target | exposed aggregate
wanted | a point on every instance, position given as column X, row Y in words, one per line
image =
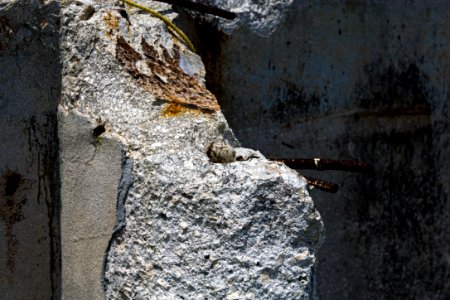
column 190, row 228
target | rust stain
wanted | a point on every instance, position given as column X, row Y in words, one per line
column 174, row 109
column 167, row 81
column 128, row 57
column 11, row 204
column 111, row 21
column 417, row 110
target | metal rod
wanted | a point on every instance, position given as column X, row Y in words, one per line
column 325, row 164
column 203, row 8
column 322, row 185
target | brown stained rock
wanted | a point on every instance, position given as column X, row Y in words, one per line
column 167, row 81
column 127, row 57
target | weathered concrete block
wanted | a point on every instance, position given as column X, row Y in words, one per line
column 187, row 227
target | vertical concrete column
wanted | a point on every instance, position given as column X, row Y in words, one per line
column 30, row 80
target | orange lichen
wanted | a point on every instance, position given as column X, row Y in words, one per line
column 111, row 21
column 174, row 109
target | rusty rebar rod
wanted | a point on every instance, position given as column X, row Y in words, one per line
column 321, row 164
column 322, row 185
column 203, row 8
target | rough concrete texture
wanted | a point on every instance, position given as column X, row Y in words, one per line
column 187, row 227
column 90, row 168
column 365, row 80
column 30, row 82
column 260, row 17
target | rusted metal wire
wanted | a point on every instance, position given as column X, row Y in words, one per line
column 321, row 164
column 322, row 185
column 203, row 8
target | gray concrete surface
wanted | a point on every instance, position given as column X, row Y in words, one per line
column 365, row 80
column 30, row 85
column 90, row 173
column 187, row 227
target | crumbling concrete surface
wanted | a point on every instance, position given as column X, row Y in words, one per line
column 188, row 226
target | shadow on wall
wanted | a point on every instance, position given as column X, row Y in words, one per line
column 29, row 202
column 395, row 219
column 365, row 82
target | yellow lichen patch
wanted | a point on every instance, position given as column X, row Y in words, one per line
column 174, row 109
column 111, row 21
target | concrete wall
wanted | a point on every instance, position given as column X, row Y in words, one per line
column 365, row 80
column 187, row 225
column 30, row 84
column 58, row 182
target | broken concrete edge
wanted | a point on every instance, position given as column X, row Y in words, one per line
column 71, row 125
column 239, row 154
column 125, row 184
column 166, row 154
